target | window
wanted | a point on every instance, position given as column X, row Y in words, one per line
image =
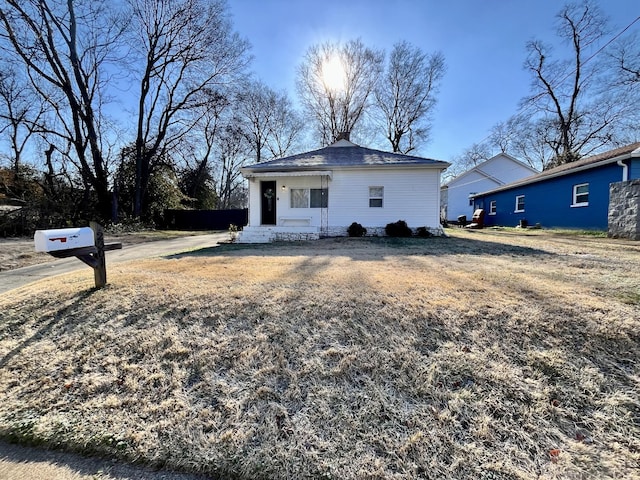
column 471, row 198
column 519, row 203
column 376, row 195
column 492, row 207
column 299, row 198
column 319, row 198
column 309, row 197
column 580, row 195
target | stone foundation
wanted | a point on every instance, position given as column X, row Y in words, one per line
column 624, row 210
column 277, row 233
column 267, row 234
column 295, row 236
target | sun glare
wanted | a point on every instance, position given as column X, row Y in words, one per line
column 333, row 74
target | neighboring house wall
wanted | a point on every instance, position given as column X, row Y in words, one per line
column 498, row 170
column 458, row 193
column 550, row 202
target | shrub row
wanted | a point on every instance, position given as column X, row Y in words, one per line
column 395, row 229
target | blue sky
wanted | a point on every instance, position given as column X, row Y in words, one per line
column 483, row 42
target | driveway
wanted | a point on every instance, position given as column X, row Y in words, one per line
column 11, row 279
column 27, row 463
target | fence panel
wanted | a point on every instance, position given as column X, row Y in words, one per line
column 205, row 219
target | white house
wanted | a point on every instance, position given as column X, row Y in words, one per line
column 495, row 172
column 322, row 192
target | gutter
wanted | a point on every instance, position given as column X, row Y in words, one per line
column 625, row 170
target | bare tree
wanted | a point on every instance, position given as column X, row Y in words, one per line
column 65, row 47
column 21, row 110
column 233, row 152
column 286, row 128
column 523, row 138
column 335, row 83
column 625, row 56
column 198, row 149
column 574, row 116
column 267, row 119
column 406, row 95
column 186, row 46
column 255, row 107
column 472, row 156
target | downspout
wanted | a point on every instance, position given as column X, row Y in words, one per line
column 625, row 170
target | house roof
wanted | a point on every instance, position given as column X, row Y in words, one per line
column 610, row 156
column 478, row 169
column 342, row 154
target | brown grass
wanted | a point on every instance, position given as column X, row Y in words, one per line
column 488, row 355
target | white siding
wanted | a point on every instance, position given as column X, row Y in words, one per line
column 459, row 192
column 506, row 169
column 410, row 194
column 254, row 202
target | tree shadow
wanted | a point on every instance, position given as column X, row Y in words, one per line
column 46, row 327
column 368, row 248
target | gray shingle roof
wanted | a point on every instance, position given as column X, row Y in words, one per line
column 567, row 168
column 342, row 154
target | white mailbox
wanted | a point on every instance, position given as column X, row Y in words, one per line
column 63, row 239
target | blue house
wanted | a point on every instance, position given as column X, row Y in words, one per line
column 573, row 195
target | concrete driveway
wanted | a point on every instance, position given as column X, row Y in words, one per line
column 27, row 463
column 11, row 279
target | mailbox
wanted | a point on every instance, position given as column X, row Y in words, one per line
column 63, row 239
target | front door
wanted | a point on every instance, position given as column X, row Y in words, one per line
column 268, row 195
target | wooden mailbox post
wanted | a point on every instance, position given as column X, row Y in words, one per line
column 86, row 244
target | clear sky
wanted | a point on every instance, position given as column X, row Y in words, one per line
column 483, row 42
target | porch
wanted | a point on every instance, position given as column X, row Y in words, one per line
column 276, row 233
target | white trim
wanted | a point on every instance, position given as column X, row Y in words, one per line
column 297, row 173
column 516, row 207
column 574, row 203
column 381, row 197
column 308, row 190
column 493, row 203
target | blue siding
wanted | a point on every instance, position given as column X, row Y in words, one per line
column 549, row 202
column 634, row 168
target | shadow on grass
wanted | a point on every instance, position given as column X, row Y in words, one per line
column 46, row 327
column 367, row 247
column 39, row 463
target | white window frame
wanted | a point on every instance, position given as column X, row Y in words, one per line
column 518, row 197
column 492, row 207
column 376, row 197
column 291, row 194
column 307, row 196
column 575, row 202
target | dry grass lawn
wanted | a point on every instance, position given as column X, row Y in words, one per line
column 487, row 355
